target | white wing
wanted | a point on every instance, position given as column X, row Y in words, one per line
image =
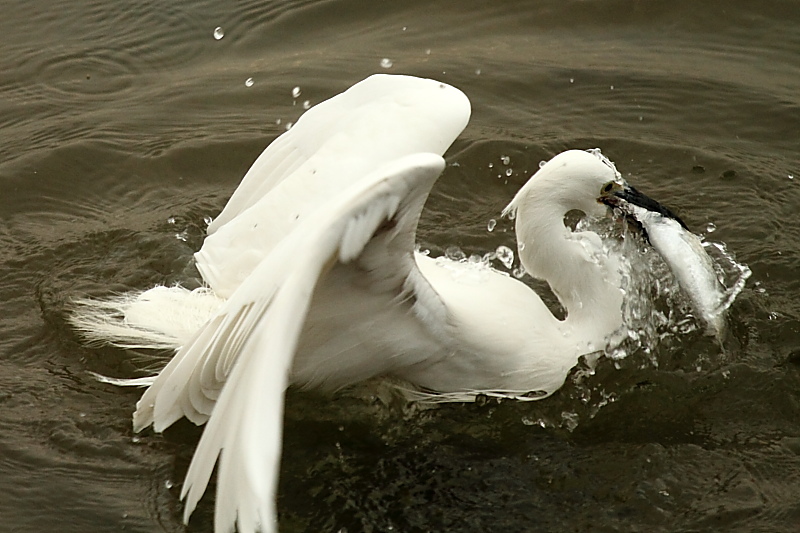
column 331, row 146
column 248, row 346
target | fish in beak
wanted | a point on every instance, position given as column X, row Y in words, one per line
column 681, row 250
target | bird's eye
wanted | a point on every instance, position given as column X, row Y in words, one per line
column 607, row 187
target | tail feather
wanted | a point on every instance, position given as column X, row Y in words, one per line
column 161, row 318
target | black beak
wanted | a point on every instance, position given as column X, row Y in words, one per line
column 620, row 196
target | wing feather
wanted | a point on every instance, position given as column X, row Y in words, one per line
column 235, row 370
column 331, row 147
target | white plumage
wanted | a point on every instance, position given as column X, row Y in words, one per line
column 313, row 281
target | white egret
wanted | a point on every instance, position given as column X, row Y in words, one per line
column 312, row 280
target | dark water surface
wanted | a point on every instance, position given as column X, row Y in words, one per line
column 125, row 124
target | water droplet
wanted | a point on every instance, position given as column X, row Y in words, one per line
column 509, row 172
column 492, row 223
column 207, row 219
column 306, row 104
column 791, row 177
column 289, row 125
column 542, row 163
column 136, row 439
column 182, row 236
column 572, row 80
column 478, row 71
column 386, row 62
column 427, row 51
column 491, row 165
column 711, row 227
column 569, row 420
column 248, row 82
column 612, row 87
column 169, row 484
column 218, row 33
column 505, row 159
column 296, row 92
column 454, row 253
column 505, row 255
column 171, row 220
column 278, row 121
column 528, row 421
column 519, row 272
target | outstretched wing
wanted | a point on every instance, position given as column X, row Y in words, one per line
column 333, row 145
column 234, row 372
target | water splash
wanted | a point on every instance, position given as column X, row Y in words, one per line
column 606, row 161
column 505, row 255
column 731, row 274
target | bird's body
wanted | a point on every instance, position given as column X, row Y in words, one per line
column 313, row 281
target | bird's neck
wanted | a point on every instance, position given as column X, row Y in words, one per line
column 583, row 274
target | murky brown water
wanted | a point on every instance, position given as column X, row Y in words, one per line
column 124, row 124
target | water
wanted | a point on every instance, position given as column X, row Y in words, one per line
column 117, row 117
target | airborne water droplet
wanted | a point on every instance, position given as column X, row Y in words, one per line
column 386, row 62
column 306, row 104
column 509, row 172
column 505, row 255
column 218, row 33
column 492, row 223
column 542, row 163
column 505, row 159
column 711, row 227
column 248, row 82
column 296, row 92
